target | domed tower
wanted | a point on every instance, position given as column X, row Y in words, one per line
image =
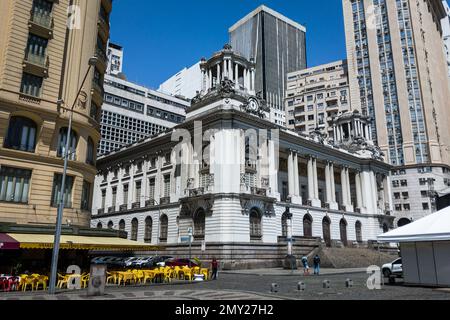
column 227, row 65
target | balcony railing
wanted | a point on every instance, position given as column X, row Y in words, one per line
column 258, row 191
column 42, row 19
column 123, row 207
column 165, row 200
column 196, row 192
column 37, row 59
column 136, row 205
column 111, row 209
column 101, row 211
column 150, row 203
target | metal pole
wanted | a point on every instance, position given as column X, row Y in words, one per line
column 59, row 217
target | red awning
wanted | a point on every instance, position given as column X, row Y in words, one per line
column 8, row 243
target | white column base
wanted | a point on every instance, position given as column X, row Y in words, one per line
column 296, row 200
column 349, row 208
column 333, row 206
column 316, row 203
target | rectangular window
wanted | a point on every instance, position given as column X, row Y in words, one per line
column 138, row 191
column 36, row 50
column 103, row 198
column 125, row 194
column 114, row 197
column 166, row 186
column 31, row 85
column 86, row 196
column 56, row 195
column 14, row 184
column 426, row 206
column 152, row 189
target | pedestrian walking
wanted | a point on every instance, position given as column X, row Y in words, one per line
column 305, row 265
column 317, row 265
column 214, row 267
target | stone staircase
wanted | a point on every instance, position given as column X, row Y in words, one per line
column 342, row 258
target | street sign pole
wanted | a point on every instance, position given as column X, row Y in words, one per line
column 190, row 245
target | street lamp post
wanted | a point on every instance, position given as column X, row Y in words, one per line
column 56, row 244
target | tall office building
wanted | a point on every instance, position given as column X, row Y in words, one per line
column 315, row 96
column 398, row 77
column 185, row 83
column 445, row 23
column 278, row 46
column 131, row 113
column 115, row 59
column 45, row 57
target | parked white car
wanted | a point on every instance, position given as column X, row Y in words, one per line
column 393, row 270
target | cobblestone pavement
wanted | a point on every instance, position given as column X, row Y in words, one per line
column 253, row 287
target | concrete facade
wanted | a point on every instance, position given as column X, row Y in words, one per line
column 131, row 113
column 398, row 77
column 317, row 95
column 277, row 45
column 185, row 83
column 43, row 65
column 235, row 178
column 115, row 59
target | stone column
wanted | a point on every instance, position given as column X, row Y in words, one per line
column 333, row 186
column 328, row 183
column 210, row 79
column 230, row 70
column 374, row 184
column 316, row 180
column 236, row 76
column 344, row 187
column 273, row 170
column 218, row 74
column 296, row 176
column 388, row 193
column 311, row 193
column 359, row 199
column 291, row 175
column 349, row 207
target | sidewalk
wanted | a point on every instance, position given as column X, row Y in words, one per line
column 299, row 272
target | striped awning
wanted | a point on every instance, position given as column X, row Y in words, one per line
column 67, row 242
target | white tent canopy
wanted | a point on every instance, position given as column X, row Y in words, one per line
column 435, row 227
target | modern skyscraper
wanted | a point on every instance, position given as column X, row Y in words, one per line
column 445, row 23
column 45, row 57
column 315, row 96
column 398, row 77
column 115, row 59
column 278, row 46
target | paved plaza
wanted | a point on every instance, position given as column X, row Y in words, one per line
column 253, row 285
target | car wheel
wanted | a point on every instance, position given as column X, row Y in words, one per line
column 387, row 273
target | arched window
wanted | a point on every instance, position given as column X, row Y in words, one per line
column 326, row 226
column 148, row 230
column 122, row 225
column 284, row 225
column 110, row 225
column 343, row 228
column 164, row 228
column 307, row 226
column 403, row 222
column 62, row 141
column 90, row 154
column 134, row 229
column 199, row 224
column 255, row 225
column 21, row 134
column 358, row 228
column 99, row 225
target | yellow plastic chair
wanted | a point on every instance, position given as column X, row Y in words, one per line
column 62, row 281
column 149, row 275
column 139, row 276
column 111, row 277
column 41, row 280
column 188, row 274
column 29, row 281
column 85, row 280
column 205, row 272
column 168, row 275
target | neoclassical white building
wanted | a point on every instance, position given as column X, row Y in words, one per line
column 242, row 184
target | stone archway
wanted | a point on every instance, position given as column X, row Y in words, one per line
column 307, row 226
column 403, row 222
column 343, row 228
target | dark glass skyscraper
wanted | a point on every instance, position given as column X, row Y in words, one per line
column 278, row 46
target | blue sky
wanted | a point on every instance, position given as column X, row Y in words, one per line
column 162, row 37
